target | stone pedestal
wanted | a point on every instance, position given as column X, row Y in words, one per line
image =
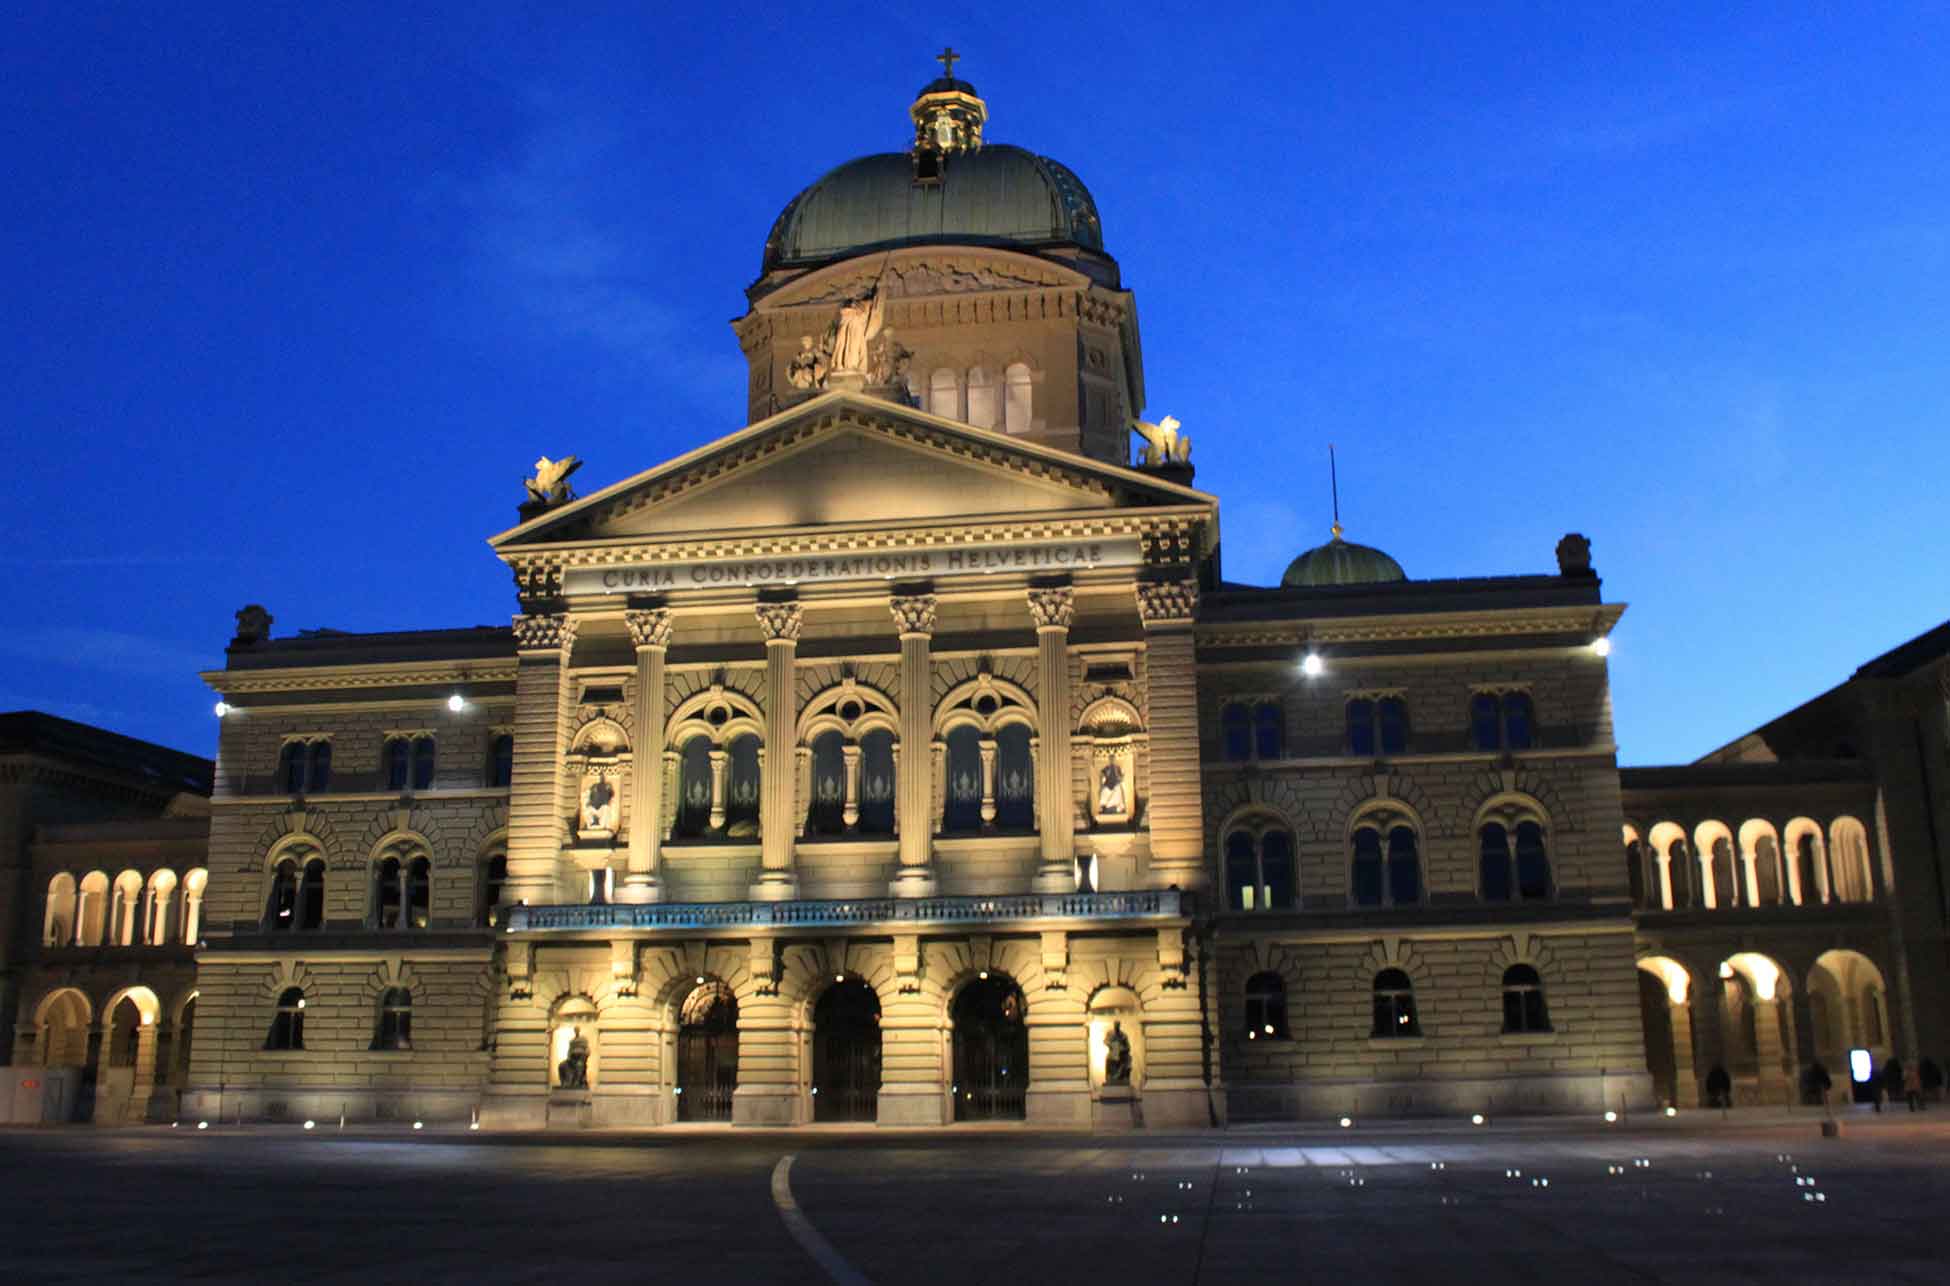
column 911, row 1105
column 1116, row 1108
column 571, row 1109
column 767, row 1105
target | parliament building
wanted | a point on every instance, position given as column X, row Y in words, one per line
column 906, row 756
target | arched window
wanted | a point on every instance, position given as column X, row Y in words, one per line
column 493, row 874
column 984, row 410
column 91, row 906
column 963, row 809
column 125, row 919
column 1502, row 721
column 58, row 925
column 827, row 816
column 1494, row 866
column 1727, row 891
column 386, row 894
column 1680, row 868
column 1767, row 872
column 1638, row 881
column 1523, row 1000
column 1807, row 859
column 693, row 818
column 741, row 787
column 1259, row 868
column 1269, row 731
column 877, row 783
column 281, row 908
column 419, row 893
column 1015, row 779
column 159, row 922
column 193, row 886
column 311, row 895
column 1235, row 726
column 410, row 763
column 394, row 1029
column 1266, row 1007
column 944, row 394
column 1849, row 858
column 1367, row 877
column 305, row 766
column 1527, row 877
column 1404, row 868
column 1387, row 866
column 288, row 1024
column 501, row 761
column 1016, row 398
column 1394, row 1006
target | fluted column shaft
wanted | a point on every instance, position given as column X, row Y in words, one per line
column 913, row 774
column 780, row 624
column 1055, row 809
column 651, row 630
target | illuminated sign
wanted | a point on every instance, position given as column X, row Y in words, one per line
column 943, row 560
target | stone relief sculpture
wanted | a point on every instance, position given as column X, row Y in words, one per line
column 1164, row 444
column 550, row 485
column 1117, row 1056
column 599, row 806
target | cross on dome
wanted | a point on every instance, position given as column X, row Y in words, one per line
column 947, row 58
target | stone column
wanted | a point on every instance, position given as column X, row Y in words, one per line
column 780, row 624
column 542, row 717
column 914, row 772
column 651, row 631
column 1663, row 862
column 1686, row 1078
column 1770, row 1055
column 1167, row 609
column 1055, row 784
column 850, row 807
column 1805, row 1053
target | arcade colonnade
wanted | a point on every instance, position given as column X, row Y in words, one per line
column 128, row 1050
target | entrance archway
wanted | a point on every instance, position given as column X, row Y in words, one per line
column 1656, row 1013
column 707, row 1053
column 991, row 1050
column 846, row 1053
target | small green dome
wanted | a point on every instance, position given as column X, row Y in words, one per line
column 993, row 195
column 1341, row 562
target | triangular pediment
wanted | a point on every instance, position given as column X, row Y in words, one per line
column 848, row 461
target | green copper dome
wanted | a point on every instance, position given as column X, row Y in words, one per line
column 993, row 195
column 1341, row 562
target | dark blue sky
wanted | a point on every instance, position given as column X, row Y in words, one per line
column 295, row 294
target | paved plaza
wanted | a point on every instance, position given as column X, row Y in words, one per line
column 1691, row 1200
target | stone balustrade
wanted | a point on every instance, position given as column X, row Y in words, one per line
column 1012, row 908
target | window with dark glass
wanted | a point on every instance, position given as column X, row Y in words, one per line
column 1269, row 731
column 1493, row 875
column 962, row 811
column 501, row 761
column 1394, row 1006
column 1404, row 868
column 494, row 874
column 422, row 763
column 1387, row 869
column 1533, row 863
column 395, row 1027
column 1266, row 1007
column 877, row 783
column 311, row 895
column 1236, row 730
column 399, row 762
column 1360, row 726
column 1516, row 721
column 305, row 766
column 288, row 1023
column 291, row 767
column 1502, row 721
column 827, row 814
column 1015, row 779
column 419, row 893
column 1391, row 720
column 281, row 908
column 693, row 803
column 1485, row 722
column 318, row 774
column 386, row 894
column 1367, row 875
column 1523, row 1000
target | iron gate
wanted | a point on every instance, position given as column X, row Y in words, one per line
column 707, row 1054
column 846, row 1053
column 991, row 1051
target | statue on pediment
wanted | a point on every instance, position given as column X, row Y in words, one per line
column 550, row 485
column 1163, row 443
column 859, row 323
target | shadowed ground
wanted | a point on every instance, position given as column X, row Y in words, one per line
column 1693, row 1200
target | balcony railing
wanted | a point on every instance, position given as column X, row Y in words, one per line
column 1149, row 904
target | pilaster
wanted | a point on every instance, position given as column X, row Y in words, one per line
column 1167, row 609
column 543, row 714
column 914, row 773
column 650, row 629
column 780, row 624
column 1054, row 608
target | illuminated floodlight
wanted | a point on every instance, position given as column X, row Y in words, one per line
column 202, row 1125
column 1347, row 1123
column 456, row 703
column 222, row 709
column 839, row 977
column 416, row 1125
column 1672, row 1111
column 311, row 1125
column 1611, row 1118
column 1601, row 647
column 1311, row 665
column 1476, row 1119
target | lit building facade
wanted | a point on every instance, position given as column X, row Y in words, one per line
column 905, row 756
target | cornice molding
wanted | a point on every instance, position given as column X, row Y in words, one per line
column 379, row 674
column 1421, row 626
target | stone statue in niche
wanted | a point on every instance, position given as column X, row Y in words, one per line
column 573, row 1071
column 599, row 806
column 1111, row 799
column 1117, row 1056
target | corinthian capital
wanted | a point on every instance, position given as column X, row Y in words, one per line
column 544, row 632
column 914, row 613
column 649, row 627
column 1052, row 608
column 780, row 621
column 1167, row 602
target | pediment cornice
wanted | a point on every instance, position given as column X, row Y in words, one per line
column 1419, row 627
